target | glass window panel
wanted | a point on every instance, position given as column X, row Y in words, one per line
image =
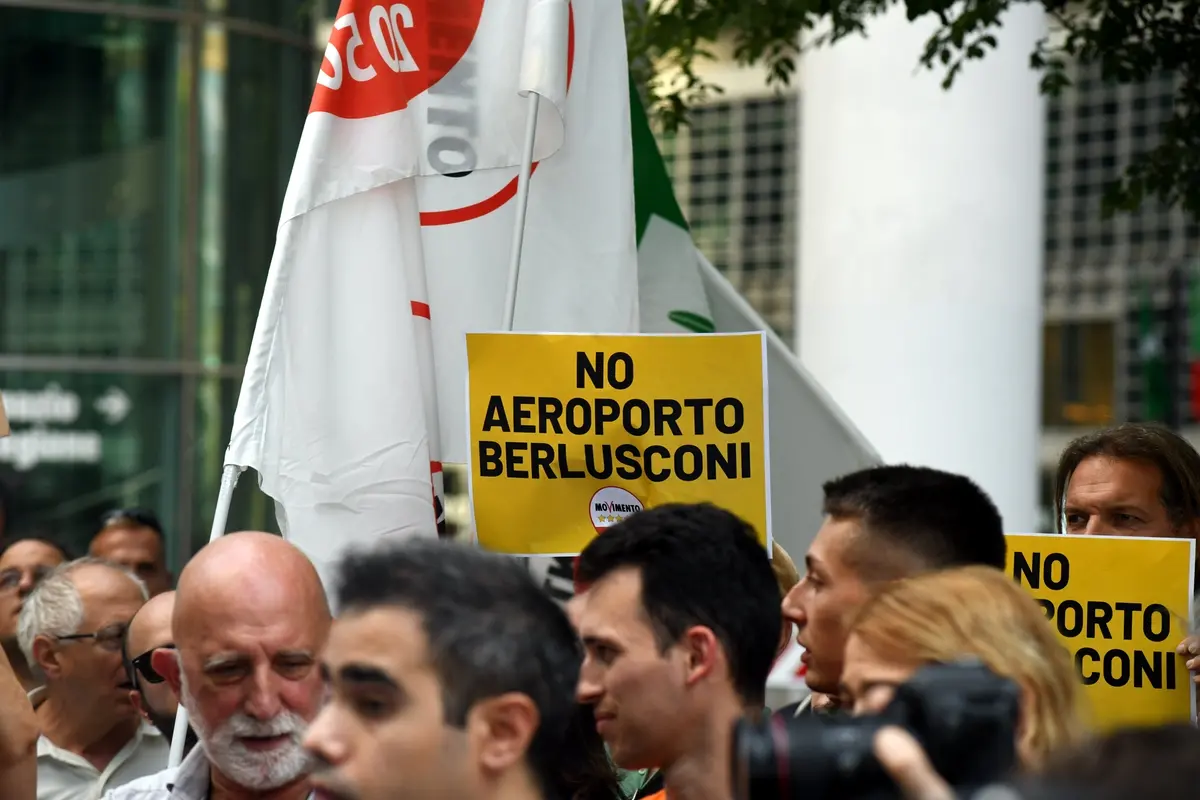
column 88, row 155
column 83, row 444
column 1079, row 371
column 216, row 399
column 293, row 16
column 249, row 130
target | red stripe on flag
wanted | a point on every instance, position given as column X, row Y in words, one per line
column 435, row 466
column 420, row 309
column 482, row 208
column 509, row 190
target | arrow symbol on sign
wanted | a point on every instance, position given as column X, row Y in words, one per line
column 114, row 405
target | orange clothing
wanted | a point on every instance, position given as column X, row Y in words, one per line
column 659, row 795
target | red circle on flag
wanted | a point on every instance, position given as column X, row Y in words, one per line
column 507, row 192
column 382, row 54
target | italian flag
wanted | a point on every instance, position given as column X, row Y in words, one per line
column 671, row 293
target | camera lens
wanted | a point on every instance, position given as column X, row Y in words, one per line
column 803, row 758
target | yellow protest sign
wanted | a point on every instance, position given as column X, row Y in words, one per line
column 1121, row 606
column 3, row 419
column 571, row 433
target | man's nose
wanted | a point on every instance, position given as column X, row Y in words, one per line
column 793, row 608
column 27, row 583
column 322, row 740
column 1096, row 526
column 588, row 690
column 263, row 702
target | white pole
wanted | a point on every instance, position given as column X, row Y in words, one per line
column 229, row 480
column 518, row 240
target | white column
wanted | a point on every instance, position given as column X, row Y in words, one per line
column 919, row 287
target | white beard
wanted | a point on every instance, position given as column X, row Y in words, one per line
column 258, row 770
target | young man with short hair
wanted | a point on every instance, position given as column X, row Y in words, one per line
column 680, row 624
column 883, row 524
column 451, row 675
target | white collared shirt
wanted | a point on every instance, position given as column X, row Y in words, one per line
column 63, row 775
column 191, row 780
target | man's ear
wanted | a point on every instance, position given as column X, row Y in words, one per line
column 703, row 652
column 135, row 697
column 502, row 728
column 166, row 663
column 47, row 657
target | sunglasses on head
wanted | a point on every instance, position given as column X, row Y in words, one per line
column 138, row 516
column 141, row 666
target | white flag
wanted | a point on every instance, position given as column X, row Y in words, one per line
column 336, row 403
column 579, row 266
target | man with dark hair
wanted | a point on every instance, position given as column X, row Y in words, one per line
column 882, row 524
column 150, row 630
column 24, row 562
column 1129, row 480
column 133, row 538
column 1135, row 479
column 452, row 675
column 680, row 623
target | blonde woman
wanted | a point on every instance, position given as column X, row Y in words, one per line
column 786, row 576
column 956, row 613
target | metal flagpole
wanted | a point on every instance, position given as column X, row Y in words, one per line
column 229, row 480
column 518, row 240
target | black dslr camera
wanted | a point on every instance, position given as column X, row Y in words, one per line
column 963, row 715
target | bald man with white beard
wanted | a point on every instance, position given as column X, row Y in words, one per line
column 250, row 620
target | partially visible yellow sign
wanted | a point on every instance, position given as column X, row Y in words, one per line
column 1121, row 605
column 3, row 418
column 572, row 433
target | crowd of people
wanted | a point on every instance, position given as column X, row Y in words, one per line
column 449, row 673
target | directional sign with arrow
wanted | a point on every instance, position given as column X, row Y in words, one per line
column 114, row 405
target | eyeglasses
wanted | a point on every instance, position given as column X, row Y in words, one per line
column 139, row 516
column 142, row 665
column 11, row 577
column 109, row 637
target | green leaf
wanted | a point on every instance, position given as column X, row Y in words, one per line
column 1125, row 41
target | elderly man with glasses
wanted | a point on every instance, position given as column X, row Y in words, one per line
column 71, row 631
column 150, row 630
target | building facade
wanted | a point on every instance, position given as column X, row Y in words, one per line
column 1106, row 280
column 144, row 152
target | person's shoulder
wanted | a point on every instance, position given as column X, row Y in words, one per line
column 151, row 787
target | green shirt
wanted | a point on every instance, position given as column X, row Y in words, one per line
column 632, row 781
